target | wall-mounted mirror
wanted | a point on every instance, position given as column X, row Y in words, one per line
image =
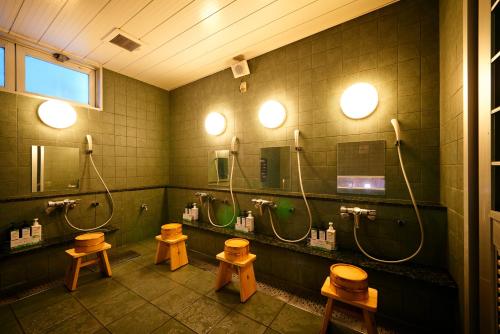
column 218, row 167
column 54, row 168
column 361, row 167
column 275, row 168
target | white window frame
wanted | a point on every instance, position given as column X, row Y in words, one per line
column 9, row 62
column 94, row 83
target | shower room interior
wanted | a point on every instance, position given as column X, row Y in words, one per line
column 230, row 166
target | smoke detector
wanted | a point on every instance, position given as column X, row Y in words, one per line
column 240, row 69
column 123, row 40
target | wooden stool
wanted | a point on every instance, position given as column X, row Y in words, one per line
column 173, row 249
column 243, row 268
column 368, row 306
column 77, row 263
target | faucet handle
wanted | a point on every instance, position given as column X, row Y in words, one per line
column 372, row 214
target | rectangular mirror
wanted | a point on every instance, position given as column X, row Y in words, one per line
column 361, row 167
column 275, row 168
column 218, row 167
column 54, row 168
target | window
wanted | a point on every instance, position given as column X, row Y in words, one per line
column 45, row 78
column 39, row 73
column 2, row 67
column 6, row 65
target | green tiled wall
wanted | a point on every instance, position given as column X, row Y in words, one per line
column 395, row 48
column 130, row 137
column 130, row 150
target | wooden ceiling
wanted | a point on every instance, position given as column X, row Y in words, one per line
column 184, row 40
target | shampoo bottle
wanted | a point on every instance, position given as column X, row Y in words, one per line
column 15, row 239
column 36, row 231
column 237, row 227
column 25, row 235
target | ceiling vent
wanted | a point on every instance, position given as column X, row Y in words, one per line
column 240, row 69
column 123, row 40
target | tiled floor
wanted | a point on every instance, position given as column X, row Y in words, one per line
column 145, row 298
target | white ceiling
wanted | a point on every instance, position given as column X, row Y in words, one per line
column 184, row 40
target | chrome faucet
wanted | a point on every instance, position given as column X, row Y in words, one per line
column 202, row 196
column 357, row 213
column 59, row 204
column 261, row 203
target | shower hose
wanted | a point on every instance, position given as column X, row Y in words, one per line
column 305, row 201
column 232, row 199
column 398, row 145
column 110, row 198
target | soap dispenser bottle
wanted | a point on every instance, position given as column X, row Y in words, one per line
column 330, row 235
column 250, row 222
column 36, row 232
column 194, row 212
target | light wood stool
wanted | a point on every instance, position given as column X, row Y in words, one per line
column 173, row 249
column 243, row 268
column 77, row 263
column 367, row 306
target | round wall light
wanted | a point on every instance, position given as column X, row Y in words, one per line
column 359, row 100
column 215, row 123
column 272, row 114
column 57, row 114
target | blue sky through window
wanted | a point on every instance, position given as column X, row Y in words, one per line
column 50, row 79
column 2, row 67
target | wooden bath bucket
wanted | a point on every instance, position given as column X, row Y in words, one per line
column 236, row 249
column 350, row 281
column 89, row 242
column 171, row 231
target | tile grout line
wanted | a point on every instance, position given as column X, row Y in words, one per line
column 91, row 314
column 147, row 302
column 17, row 319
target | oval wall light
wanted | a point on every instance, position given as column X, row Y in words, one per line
column 359, row 100
column 57, row 114
column 272, row 114
column 215, row 123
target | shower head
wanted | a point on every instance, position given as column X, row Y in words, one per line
column 234, row 145
column 296, row 134
column 395, row 124
column 89, row 143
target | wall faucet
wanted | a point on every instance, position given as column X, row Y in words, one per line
column 357, row 213
column 201, row 196
column 261, row 203
column 144, row 207
column 60, row 204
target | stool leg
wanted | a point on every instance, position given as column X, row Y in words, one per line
column 162, row 252
column 224, row 275
column 371, row 326
column 178, row 255
column 104, row 263
column 248, row 286
column 327, row 316
column 183, row 260
column 72, row 274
